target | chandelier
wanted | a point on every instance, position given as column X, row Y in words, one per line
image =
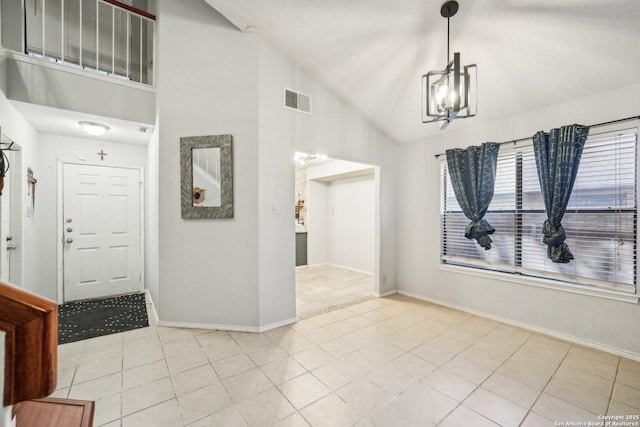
column 450, row 93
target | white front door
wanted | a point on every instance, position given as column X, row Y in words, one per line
column 101, row 231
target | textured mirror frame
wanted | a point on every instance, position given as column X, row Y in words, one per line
column 187, row 144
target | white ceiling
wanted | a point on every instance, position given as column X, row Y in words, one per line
column 64, row 122
column 373, row 53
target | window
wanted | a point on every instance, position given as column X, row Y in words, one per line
column 600, row 220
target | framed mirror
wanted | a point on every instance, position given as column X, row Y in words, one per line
column 206, row 171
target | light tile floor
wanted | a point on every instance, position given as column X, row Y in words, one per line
column 320, row 288
column 392, row 361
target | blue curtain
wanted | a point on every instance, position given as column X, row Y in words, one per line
column 473, row 176
column 558, row 156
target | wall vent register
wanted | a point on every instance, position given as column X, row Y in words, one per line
column 297, row 101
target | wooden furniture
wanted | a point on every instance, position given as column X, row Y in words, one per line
column 31, row 344
column 52, row 412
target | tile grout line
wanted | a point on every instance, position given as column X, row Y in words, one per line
column 613, row 386
column 483, row 381
column 547, row 384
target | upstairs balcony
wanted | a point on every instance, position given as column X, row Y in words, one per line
column 92, row 57
column 108, row 36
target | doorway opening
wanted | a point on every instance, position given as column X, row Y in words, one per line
column 11, row 215
column 337, row 233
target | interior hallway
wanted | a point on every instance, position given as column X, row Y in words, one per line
column 321, row 289
column 383, row 362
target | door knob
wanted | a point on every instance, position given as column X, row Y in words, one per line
column 69, row 230
column 12, row 247
column 69, row 240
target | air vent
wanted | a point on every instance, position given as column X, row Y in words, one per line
column 297, row 101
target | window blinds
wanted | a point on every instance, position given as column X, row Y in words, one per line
column 600, row 220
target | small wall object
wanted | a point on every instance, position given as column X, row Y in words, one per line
column 206, row 170
column 4, row 167
column 31, row 185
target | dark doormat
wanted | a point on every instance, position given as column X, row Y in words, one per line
column 88, row 319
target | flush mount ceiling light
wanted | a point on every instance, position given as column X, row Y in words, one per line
column 450, row 93
column 92, row 128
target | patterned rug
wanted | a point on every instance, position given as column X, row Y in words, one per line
column 88, row 319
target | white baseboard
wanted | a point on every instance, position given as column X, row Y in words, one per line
column 598, row 346
column 344, row 267
column 385, row 294
column 234, row 328
column 276, row 325
column 154, row 312
column 368, row 273
column 212, row 326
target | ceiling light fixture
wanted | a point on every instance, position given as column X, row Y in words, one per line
column 94, row 129
column 450, row 93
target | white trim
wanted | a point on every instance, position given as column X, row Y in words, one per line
column 154, row 312
column 598, row 346
column 344, row 267
column 276, row 325
column 60, row 218
column 211, row 326
column 311, row 265
column 7, row 419
column 60, row 233
column 385, row 294
column 542, row 283
column 234, row 328
column 79, row 71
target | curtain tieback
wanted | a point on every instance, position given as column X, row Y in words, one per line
column 479, row 230
column 554, row 237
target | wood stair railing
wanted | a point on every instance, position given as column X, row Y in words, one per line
column 31, row 341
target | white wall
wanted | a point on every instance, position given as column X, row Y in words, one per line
column 336, row 169
column 2, row 351
column 152, row 213
column 71, row 89
column 597, row 320
column 317, row 224
column 342, row 215
column 207, row 84
column 334, row 129
column 19, row 130
column 50, row 150
column 351, row 220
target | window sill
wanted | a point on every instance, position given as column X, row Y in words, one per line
column 542, row 283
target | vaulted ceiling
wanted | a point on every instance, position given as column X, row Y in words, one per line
column 372, row 53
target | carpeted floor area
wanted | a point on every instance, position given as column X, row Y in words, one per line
column 88, row 319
